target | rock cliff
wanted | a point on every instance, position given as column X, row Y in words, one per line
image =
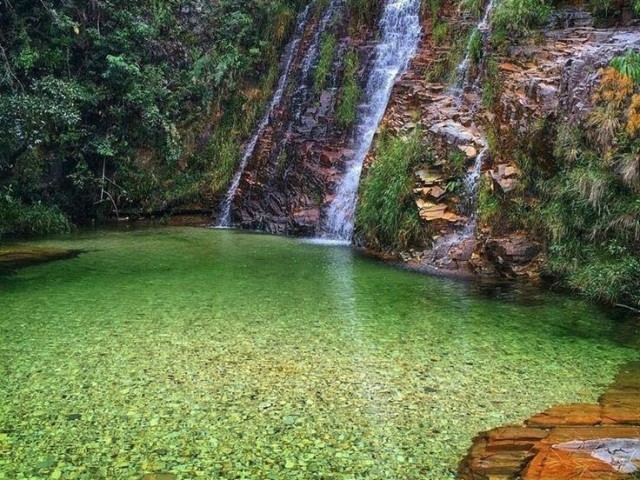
column 301, row 153
column 535, row 84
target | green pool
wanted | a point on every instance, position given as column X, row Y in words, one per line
column 224, row 355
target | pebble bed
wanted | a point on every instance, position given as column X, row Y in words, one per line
column 222, row 355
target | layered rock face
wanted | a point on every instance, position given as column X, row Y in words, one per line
column 300, row 156
column 549, row 81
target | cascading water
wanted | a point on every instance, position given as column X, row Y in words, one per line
column 463, row 68
column 224, row 218
column 301, row 97
column 472, row 180
column 471, row 184
column 400, row 34
column 445, row 245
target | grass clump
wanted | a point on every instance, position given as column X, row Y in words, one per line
column 444, row 69
column 514, row 19
column 327, row 53
column 440, row 32
column 20, row 219
column 475, row 46
column 474, row 7
column 350, row 93
column 387, row 217
column 590, row 207
column 223, row 153
column 491, row 84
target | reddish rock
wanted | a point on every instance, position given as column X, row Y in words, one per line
column 574, row 414
column 539, row 450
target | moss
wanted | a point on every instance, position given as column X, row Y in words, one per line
column 323, row 69
column 350, row 92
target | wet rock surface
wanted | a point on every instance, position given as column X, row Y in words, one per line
column 302, row 153
column 566, row 442
column 558, row 76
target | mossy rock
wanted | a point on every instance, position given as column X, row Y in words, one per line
column 12, row 257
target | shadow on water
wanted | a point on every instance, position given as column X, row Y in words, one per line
column 16, row 256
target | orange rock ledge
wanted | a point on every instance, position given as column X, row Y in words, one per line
column 533, row 451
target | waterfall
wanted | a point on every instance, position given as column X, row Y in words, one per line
column 301, row 97
column 472, row 179
column 400, row 34
column 471, row 184
column 224, row 218
column 463, row 68
column 445, row 247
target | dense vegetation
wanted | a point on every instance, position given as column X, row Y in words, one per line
column 591, row 206
column 112, row 107
column 127, row 105
column 582, row 197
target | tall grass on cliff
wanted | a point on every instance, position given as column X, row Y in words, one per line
column 591, row 206
column 350, row 92
column 328, row 45
column 387, row 217
column 514, row 19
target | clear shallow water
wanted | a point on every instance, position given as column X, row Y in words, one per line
column 218, row 354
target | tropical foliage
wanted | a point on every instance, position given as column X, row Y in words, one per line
column 134, row 105
column 592, row 206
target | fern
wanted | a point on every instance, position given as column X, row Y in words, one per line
column 628, row 65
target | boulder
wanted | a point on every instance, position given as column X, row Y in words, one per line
column 454, row 133
column 427, row 177
column 469, row 150
column 432, row 211
column 510, row 251
column 505, row 177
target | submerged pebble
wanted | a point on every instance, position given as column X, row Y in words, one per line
column 216, row 354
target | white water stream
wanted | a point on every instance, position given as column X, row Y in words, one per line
column 399, row 36
column 224, row 218
column 463, row 68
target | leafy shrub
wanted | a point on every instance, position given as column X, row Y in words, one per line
column 17, row 218
column 131, row 87
column 590, row 207
column 628, row 65
column 514, row 19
